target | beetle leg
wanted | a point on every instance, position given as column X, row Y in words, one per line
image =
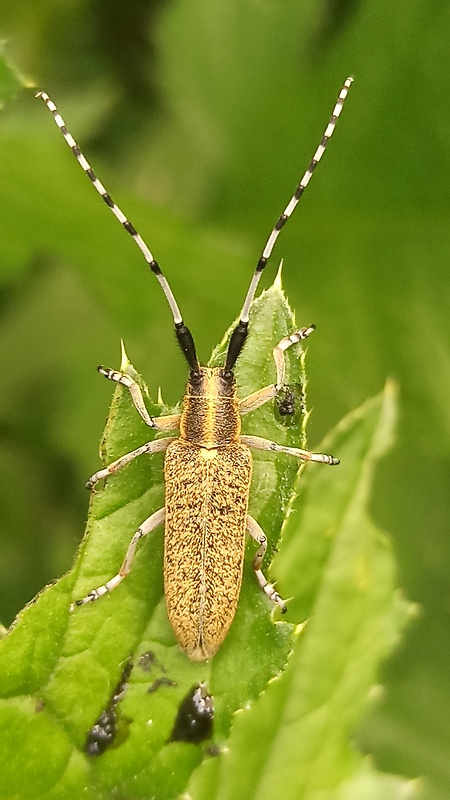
column 262, row 396
column 258, row 443
column 155, row 446
column 147, row 527
column 257, row 399
column 285, row 344
column 257, row 533
column 169, row 422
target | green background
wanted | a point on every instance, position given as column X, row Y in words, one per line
column 200, row 118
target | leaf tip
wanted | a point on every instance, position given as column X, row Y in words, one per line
column 299, row 628
column 278, row 283
column 388, row 417
column 124, row 360
column 391, row 388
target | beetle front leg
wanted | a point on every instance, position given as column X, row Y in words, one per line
column 155, row 446
column 285, row 344
column 257, row 533
column 258, row 443
column 262, row 396
column 169, row 422
column 147, row 527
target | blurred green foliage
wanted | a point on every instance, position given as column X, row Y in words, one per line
column 206, row 114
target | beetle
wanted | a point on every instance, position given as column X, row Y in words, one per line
column 208, row 467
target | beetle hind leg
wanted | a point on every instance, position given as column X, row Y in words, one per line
column 147, row 527
column 257, row 533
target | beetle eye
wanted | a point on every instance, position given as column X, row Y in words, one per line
column 227, row 375
column 195, row 378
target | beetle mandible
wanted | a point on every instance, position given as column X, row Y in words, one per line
column 208, row 468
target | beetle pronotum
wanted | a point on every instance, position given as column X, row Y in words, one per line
column 207, row 469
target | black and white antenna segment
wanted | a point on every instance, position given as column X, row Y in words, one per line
column 183, row 334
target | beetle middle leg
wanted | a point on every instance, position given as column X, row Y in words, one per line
column 258, row 443
column 155, row 446
column 257, row 533
column 147, row 527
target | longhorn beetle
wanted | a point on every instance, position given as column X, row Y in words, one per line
column 208, row 467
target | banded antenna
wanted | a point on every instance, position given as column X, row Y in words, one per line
column 183, row 333
column 240, row 332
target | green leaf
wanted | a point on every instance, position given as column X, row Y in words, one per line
column 338, row 567
column 369, row 784
column 60, row 669
column 10, row 79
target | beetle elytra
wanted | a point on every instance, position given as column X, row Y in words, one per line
column 208, row 467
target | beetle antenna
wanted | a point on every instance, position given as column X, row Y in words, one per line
column 240, row 332
column 183, row 333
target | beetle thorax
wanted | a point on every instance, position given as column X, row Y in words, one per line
column 210, row 417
